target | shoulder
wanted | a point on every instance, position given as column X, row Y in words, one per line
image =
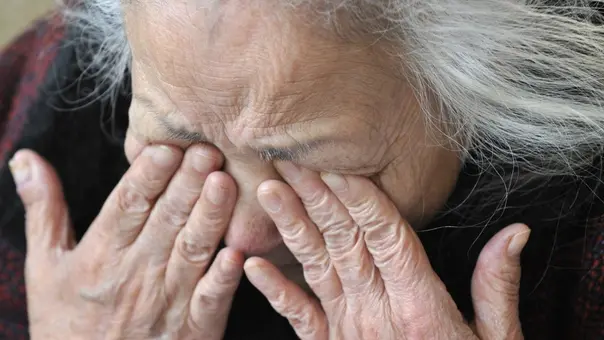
column 24, row 66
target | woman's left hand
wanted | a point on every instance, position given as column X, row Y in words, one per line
column 369, row 270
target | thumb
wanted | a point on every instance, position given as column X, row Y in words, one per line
column 496, row 284
column 47, row 226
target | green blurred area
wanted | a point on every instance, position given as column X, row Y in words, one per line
column 16, row 15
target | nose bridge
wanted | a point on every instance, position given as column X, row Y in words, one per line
column 251, row 230
column 249, row 173
column 250, row 125
column 239, row 135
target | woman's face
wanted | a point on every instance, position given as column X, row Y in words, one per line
column 263, row 85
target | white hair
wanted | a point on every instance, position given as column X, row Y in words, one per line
column 514, row 81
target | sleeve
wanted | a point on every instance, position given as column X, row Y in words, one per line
column 24, row 63
column 590, row 301
column 12, row 61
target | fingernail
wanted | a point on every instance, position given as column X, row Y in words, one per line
column 202, row 161
column 271, row 202
column 335, row 182
column 217, row 194
column 290, row 171
column 258, row 276
column 230, row 265
column 517, row 243
column 162, row 156
column 20, row 169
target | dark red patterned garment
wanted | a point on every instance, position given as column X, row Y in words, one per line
column 41, row 87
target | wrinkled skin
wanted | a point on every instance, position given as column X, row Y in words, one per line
column 369, row 270
column 257, row 82
column 141, row 270
column 251, row 76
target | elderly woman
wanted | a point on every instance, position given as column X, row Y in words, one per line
column 326, row 169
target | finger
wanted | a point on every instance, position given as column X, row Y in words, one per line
column 129, row 204
column 496, row 284
column 414, row 290
column 395, row 248
column 197, row 241
column 133, row 146
column 302, row 238
column 304, row 314
column 213, row 296
column 174, row 206
column 47, row 229
column 343, row 239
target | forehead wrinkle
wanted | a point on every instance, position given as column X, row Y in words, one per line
column 290, row 153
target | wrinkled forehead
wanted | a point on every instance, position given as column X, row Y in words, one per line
column 352, row 20
column 249, row 58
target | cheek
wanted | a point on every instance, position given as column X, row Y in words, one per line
column 400, row 188
column 419, row 191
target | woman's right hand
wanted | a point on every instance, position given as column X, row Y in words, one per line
column 141, row 270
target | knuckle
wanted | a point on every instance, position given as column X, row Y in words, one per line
column 503, row 280
column 295, row 231
column 296, row 314
column 186, row 187
column 133, row 198
column 316, row 267
column 405, row 259
column 192, row 249
column 316, row 199
column 319, row 259
column 281, row 302
column 174, row 212
column 389, row 237
column 209, row 302
column 107, row 289
column 225, row 278
column 214, row 216
column 300, row 320
column 213, row 298
column 324, row 209
column 324, row 218
column 148, row 177
column 340, row 236
column 339, row 229
column 367, row 209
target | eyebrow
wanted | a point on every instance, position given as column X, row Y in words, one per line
column 293, row 153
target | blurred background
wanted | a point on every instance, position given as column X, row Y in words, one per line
column 16, row 15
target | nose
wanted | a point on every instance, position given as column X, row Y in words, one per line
column 251, row 230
